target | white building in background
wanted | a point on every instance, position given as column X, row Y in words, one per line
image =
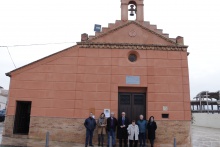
column 3, row 98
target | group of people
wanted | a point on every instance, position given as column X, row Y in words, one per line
column 134, row 132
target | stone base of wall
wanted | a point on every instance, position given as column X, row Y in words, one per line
column 168, row 130
column 73, row 130
column 9, row 125
column 60, row 129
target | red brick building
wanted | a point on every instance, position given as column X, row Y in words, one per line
column 130, row 66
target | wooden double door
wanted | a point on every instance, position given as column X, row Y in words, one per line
column 133, row 104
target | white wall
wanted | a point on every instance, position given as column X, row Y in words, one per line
column 3, row 98
column 3, row 101
column 206, row 120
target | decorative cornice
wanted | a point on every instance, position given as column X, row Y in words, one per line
column 128, row 23
column 131, row 46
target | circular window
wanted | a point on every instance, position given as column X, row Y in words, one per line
column 132, row 57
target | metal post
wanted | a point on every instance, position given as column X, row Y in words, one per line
column 207, row 101
column 174, row 143
column 200, row 103
column 47, row 140
column 110, row 143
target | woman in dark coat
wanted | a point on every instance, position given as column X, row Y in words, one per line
column 151, row 126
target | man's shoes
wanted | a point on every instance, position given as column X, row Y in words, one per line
column 91, row 145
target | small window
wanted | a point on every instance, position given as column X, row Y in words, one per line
column 132, row 57
column 165, row 115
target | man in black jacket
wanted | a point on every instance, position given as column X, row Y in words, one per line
column 90, row 125
column 123, row 123
column 111, row 127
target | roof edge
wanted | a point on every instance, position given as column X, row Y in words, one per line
column 8, row 74
column 126, row 23
column 131, row 44
column 34, row 62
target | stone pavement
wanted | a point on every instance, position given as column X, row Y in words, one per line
column 205, row 137
column 201, row 137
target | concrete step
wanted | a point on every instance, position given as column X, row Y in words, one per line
column 111, row 25
column 97, row 33
column 104, row 29
column 91, row 37
column 166, row 35
column 147, row 24
column 159, row 31
column 153, row 27
column 173, row 39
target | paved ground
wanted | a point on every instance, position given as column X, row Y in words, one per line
column 201, row 137
column 205, row 137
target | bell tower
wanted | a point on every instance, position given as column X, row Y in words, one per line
column 137, row 8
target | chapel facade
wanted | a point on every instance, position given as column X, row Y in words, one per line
column 129, row 66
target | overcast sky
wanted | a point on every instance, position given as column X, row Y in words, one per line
column 27, row 22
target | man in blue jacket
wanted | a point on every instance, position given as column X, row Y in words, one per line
column 90, row 125
column 142, row 124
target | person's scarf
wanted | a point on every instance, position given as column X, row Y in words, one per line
column 101, row 120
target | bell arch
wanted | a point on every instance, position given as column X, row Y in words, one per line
column 138, row 10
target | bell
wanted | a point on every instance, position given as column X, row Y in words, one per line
column 132, row 10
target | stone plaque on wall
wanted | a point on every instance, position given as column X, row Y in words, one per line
column 165, row 108
column 132, row 79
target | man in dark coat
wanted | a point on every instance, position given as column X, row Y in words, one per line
column 123, row 123
column 90, row 125
column 151, row 126
column 111, row 128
